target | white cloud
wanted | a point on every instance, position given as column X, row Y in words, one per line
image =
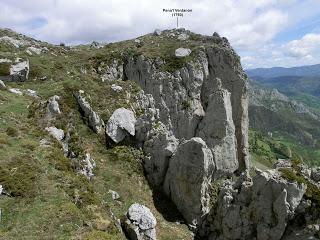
column 246, row 23
column 303, row 47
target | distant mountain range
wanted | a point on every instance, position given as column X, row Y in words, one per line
column 286, row 102
column 303, row 71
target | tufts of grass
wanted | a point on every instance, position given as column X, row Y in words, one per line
column 19, row 176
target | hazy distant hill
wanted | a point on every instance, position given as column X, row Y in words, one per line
column 310, row 71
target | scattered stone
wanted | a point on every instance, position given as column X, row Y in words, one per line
column 140, row 223
column 43, row 78
column 157, row 32
column 31, row 93
column 44, row 142
column 114, row 195
column 87, row 166
column 57, row 133
column 282, row 163
column 1, row 189
column 137, row 41
column 183, row 37
column 182, row 52
column 53, row 108
column 34, row 50
column 116, row 88
column 15, row 91
column 121, row 123
column 2, row 85
column 94, row 120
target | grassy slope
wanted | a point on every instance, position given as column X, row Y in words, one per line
column 44, row 204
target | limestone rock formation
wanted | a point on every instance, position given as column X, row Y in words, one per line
column 188, row 179
column 94, row 120
column 140, row 223
column 207, row 99
column 111, row 72
column 257, row 208
column 121, row 123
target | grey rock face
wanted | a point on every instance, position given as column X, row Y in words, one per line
column 140, row 223
column 121, row 123
column 188, row 178
column 94, row 120
column 207, row 99
column 111, row 72
column 159, row 148
column 255, row 209
column 19, row 71
column 182, row 52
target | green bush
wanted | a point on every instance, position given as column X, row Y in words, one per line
column 12, row 132
column 5, row 69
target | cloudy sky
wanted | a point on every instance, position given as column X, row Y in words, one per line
column 265, row 33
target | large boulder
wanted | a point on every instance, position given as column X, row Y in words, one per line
column 182, row 52
column 94, row 120
column 188, row 179
column 19, row 71
column 140, row 223
column 121, row 124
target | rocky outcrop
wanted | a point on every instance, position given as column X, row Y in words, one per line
column 258, row 208
column 140, row 223
column 188, row 179
column 111, row 72
column 93, row 119
column 121, row 124
column 205, row 100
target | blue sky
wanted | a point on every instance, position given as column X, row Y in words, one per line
column 265, row 33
